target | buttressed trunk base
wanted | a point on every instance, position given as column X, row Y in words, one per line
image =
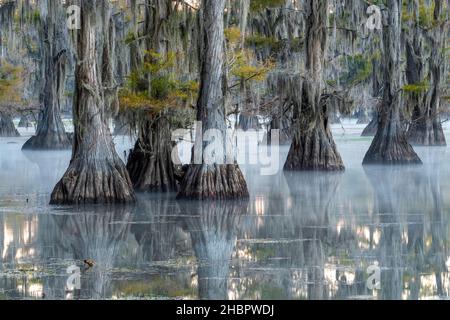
column 150, row 163
column 425, row 131
column 218, row 181
column 96, row 174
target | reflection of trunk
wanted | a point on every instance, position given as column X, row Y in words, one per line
column 313, row 147
column 215, row 179
column 313, row 209
column 386, row 184
column 96, row 174
column 7, row 128
column 50, row 132
column 390, row 145
column 95, row 235
column 439, row 226
column 156, row 228
column 426, row 128
column 213, row 229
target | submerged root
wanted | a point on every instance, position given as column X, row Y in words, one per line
column 213, row 182
column 96, row 181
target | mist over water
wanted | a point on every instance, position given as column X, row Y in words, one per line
column 299, row 236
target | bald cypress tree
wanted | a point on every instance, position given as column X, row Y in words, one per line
column 96, row 174
column 313, row 147
column 390, row 145
column 218, row 180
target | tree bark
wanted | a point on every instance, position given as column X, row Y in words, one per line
column 218, row 180
column 7, row 128
column 150, row 163
column 96, row 173
column 313, row 147
column 390, row 145
column 24, row 122
column 426, row 128
column 51, row 134
column 371, row 129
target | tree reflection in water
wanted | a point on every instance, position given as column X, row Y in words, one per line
column 95, row 233
column 213, row 227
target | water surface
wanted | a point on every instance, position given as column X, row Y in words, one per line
column 299, row 236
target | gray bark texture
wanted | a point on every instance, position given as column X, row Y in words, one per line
column 213, row 181
column 426, row 128
column 150, row 163
column 50, row 133
column 390, row 145
column 96, row 174
column 313, row 147
column 7, row 128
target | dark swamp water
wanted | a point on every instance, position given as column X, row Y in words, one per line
column 299, row 236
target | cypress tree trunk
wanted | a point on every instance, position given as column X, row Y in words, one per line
column 50, row 133
column 150, row 163
column 96, row 173
column 371, row 129
column 217, row 180
column 24, row 122
column 426, row 128
column 313, row 147
column 390, row 145
column 7, row 128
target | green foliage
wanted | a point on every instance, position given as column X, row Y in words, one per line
column 233, row 34
column 243, row 68
column 259, row 41
column 10, row 83
column 416, row 87
column 258, row 5
column 155, row 87
column 359, row 70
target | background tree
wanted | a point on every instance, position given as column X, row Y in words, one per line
column 50, row 133
column 390, row 145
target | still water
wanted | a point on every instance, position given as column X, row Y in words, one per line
column 299, row 236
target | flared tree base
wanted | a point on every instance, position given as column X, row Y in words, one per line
column 152, row 172
column 8, row 130
column 50, row 141
column 94, row 182
column 371, row 129
column 394, row 150
column 202, row 182
column 425, row 132
column 314, row 151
